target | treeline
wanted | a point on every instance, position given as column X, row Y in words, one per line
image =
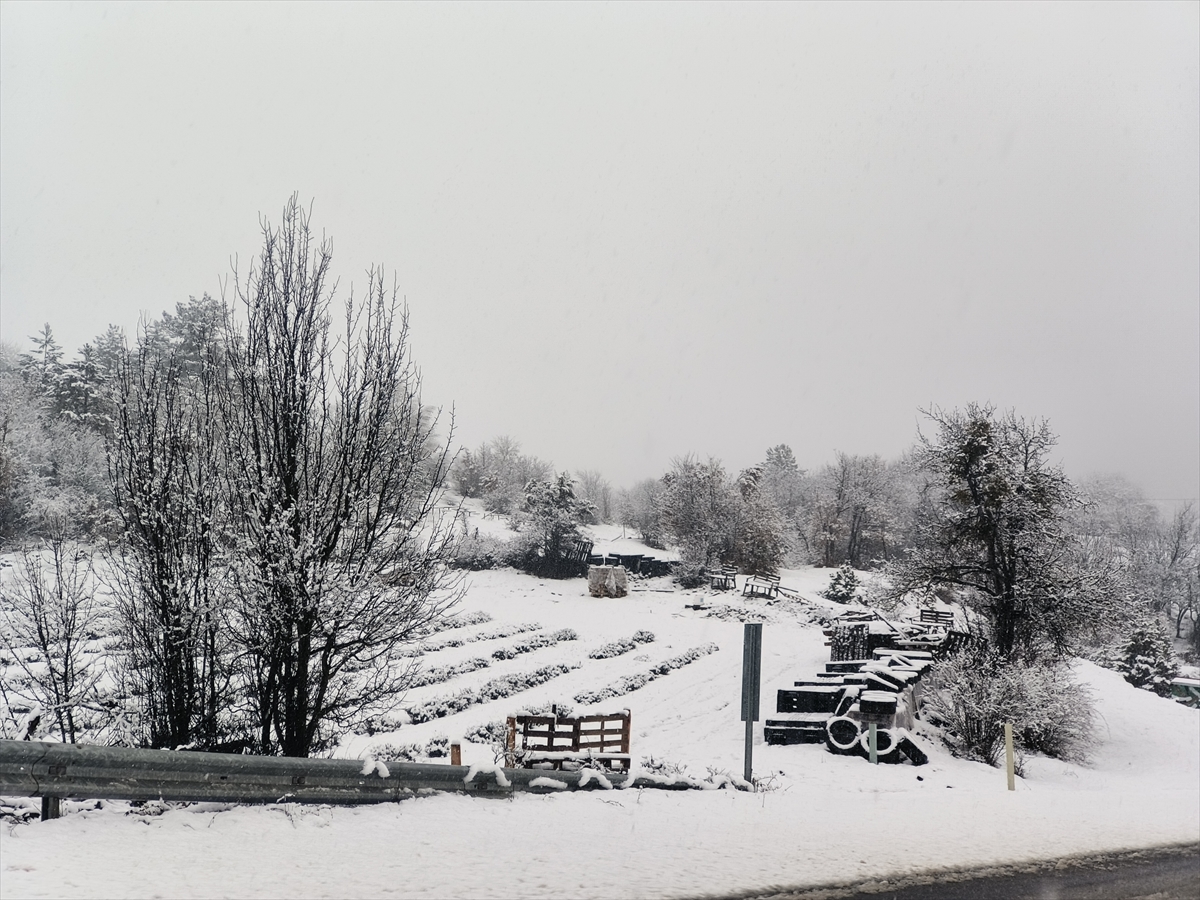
column 854, row 510
column 862, row 511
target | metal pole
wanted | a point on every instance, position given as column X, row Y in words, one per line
column 873, row 743
column 751, row 687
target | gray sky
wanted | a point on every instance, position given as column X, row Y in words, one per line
column 628, row 232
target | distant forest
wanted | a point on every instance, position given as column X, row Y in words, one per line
column 58, row 415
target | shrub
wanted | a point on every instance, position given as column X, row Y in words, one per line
column 624, row 645
column 548, row 523
column 972, row 695
column 1146, row 660
column 476, row 553
column 536, row 642
column 689, row 573
column 641, row 679
column 843, row 586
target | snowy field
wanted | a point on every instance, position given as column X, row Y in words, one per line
column 820, row 819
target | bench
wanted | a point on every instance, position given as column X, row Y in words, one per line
column 1186, row 691
column 761, row 585
column 564, row 742
column 724, row 578
column 937, row 617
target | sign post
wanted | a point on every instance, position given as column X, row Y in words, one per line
column 751, row 686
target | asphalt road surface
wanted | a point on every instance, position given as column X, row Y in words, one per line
column 1163, row 873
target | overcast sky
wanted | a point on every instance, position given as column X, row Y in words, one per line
column 629, row 232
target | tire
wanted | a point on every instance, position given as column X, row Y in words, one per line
column 885, row 742
column 842, row 734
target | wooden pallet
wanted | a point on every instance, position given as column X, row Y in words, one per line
column 564, row 742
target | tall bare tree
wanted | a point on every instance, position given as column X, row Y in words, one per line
column 334, row 481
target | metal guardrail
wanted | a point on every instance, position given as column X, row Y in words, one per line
column 73, row 771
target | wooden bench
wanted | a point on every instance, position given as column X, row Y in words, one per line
column 761, row 585
column 563, row 742
column 724, row 578
column 937, row 617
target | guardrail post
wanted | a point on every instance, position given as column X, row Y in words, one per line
column 456, row 754
column 51, row 808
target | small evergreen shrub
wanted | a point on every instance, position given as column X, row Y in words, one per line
column 1146, row 660
column 843, row 586
column 536, row 642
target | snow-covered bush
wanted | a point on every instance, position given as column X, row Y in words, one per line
column 477, row 552
column 48, row 607
column 445, row 673
column 548, row 523
column 1146, row 661
column 641, row 679
column 843, row 586
column 495, row 689
column 690, row 571
column 624, row 645
column 536, row 642
column 972, row 695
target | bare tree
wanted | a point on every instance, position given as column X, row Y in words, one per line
column 49, row 606
column 638, row 508
column 596, row 489
column 165, row 458
column 334, row 479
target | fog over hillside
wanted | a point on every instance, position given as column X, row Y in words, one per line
column 630, row 232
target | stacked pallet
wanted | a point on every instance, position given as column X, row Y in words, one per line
column 838, row 706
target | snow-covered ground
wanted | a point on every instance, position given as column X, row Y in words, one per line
column 821, row 818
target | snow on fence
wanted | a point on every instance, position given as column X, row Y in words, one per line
column 56, row 772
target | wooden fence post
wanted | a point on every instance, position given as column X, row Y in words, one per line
column 1009, row 762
